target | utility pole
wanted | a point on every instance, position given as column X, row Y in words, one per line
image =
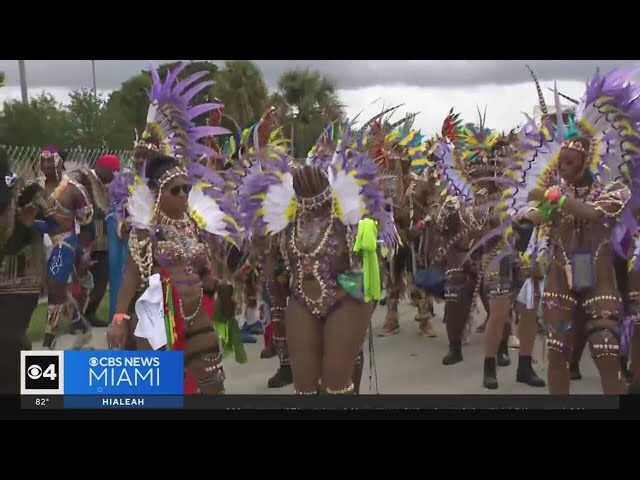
column 23, row 81
column 93, row 69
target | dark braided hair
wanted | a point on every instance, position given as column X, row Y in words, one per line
column 157, row 165
column 309, row 181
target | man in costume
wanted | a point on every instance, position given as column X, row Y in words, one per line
column 25, row 214
column 93, row 285
column 400, row 155
column 73, row 209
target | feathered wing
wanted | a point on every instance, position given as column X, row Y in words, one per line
column 119, row 194
column 610, row 112
column 140, row 205
column 210, row 214
column 356, row 191
column 213, row 206
column 266, row 200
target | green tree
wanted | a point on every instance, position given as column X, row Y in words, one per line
column 306, row 102
column 126, row 109
column 87, row 118
column 42, row 121
column 1, row 79
column 241, row 88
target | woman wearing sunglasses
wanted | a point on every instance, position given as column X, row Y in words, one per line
column 168, row 267
column 169, row 257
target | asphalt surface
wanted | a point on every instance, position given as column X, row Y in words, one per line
column 406, row 363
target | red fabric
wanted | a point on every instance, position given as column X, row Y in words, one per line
column 208, row 305
column 179, row 340
column 75, row 288
column 190, row 384
column 268, row 334
column 110, row 162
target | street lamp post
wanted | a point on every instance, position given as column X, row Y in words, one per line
column 23, row 81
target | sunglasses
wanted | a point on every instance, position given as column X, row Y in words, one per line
column 175, row 191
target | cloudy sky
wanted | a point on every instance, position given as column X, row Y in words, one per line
column 430, row 87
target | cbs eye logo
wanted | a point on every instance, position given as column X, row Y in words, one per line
column 41, row 373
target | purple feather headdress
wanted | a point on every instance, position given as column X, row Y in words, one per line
column 170, row 119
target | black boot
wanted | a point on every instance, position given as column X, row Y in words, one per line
column 490, row 379
column 503, row 355
column 454, row 355
column 282, row 378
column 634, row 388
column 526, row 374
column 49, row 341
column 574, row 371
column 268, row 352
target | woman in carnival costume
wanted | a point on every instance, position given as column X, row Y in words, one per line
column 25, row 215
column 172, row 210
column 244, row 153
column 73, row 209
column 320, row 156
column 579, row 211
column 309, row 218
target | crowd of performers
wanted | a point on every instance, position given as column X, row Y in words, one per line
column 209, row 225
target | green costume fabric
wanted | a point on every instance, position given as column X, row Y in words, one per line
column 367, row 244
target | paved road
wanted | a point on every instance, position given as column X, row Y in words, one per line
column 406, row 363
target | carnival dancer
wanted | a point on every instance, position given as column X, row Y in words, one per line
column 314, row 214
column 454, row 231
column 94, row 283
column 25, row 214
column 251, row 147
column 581, row 211
column 168, row 251
column 399, row 154
column 72, row 210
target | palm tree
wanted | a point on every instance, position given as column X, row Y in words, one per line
column 241, row 88
column 306, row 102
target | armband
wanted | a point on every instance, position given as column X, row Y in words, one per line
column 120, row 317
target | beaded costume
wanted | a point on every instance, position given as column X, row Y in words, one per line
column 314, row 235
column 159, row 245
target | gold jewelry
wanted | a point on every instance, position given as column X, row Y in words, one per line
column 343, row 391
column 177, row 171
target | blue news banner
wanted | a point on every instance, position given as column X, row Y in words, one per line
column 103, row 379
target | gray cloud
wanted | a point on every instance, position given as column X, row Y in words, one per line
column 348, row 74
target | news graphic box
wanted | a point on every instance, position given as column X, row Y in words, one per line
column 123, row 373
column 41, row 372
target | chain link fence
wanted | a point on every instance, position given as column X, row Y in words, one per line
column 25, row 160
